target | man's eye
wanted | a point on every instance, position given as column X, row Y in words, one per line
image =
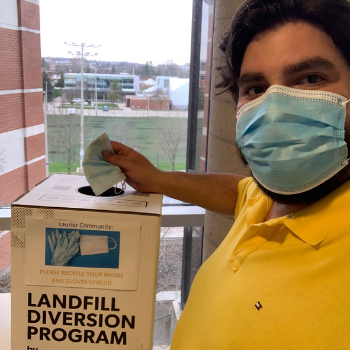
column 254, row 91
column 311, row 79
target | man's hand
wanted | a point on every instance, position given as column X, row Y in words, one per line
column 140, row 173
column 216, row 192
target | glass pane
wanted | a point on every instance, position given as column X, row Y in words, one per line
column 122, row 86
column 171, row 266
column 5, row 261
column 149, row 64
column 135, row 89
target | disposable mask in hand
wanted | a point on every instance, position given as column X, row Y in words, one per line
column 91, row 245
column 100, row 174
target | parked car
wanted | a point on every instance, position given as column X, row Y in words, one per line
column 105, row 108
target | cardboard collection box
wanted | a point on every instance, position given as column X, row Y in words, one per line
column 84, row 268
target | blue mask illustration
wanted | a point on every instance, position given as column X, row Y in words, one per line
column 100, row 174
column 293, row 140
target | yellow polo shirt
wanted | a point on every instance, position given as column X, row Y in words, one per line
column 280, row 284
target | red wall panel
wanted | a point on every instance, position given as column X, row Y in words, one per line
column 28, row 15
column 36, row 173
column 34, row 146
column 10, row 62
column 12, row 185
column 31, row 60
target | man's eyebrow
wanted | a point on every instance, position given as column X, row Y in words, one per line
column 248, row 78
column 311, row 63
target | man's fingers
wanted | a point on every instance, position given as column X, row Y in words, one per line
column 120, row 148
column 106, row 155
column 115, row 159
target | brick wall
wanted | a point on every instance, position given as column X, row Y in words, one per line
column 31, row 60
column 10, row 64
column 35, row 173
column 28, row 15
column 34, row 146
column 12, row 110
column 33, row 108
column 21, row 105
column 12, row 185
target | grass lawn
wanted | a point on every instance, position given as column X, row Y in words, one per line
column 62, row 167
column 146, row 135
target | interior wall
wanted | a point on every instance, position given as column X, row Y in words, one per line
column 222, row 155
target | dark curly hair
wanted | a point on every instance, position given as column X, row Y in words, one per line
column 257, row 16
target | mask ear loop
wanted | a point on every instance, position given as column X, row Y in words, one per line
column 346, row 161
column 112, row 240
column 119, row 190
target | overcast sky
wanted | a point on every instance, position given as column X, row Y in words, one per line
column 127, row 30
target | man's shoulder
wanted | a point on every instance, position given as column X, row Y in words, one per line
column 247, row 189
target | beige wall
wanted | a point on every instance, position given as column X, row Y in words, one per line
column 222, row 155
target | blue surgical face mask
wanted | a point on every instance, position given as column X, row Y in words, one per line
column 293, row 140
column 100, row 174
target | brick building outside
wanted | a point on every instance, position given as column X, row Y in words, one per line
column 142, row 102
column 22, row 141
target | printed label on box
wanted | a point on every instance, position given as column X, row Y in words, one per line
column 74, row 253
column 70, row 318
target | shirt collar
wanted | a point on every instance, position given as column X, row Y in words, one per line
column 322, row 219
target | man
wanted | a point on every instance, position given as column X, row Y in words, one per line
column 281, row 277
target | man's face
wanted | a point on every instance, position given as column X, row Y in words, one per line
column 300, row 56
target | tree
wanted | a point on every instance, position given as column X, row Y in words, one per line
column 60, row 81
column 49, row 91
column 171, row 137
column 115, row 94
column 70, row 94
column 113, row 69
column 160, row 95
column 171, row 68
column 65, row 136
column 146, row 69
column 119, row 130
column 151, row 69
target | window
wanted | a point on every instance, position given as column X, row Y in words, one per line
column 23, row 162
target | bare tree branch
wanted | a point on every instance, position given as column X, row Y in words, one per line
column 160, row 95
column 171, row 135
column 65, row 136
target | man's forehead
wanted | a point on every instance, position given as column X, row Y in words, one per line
column 292, row 47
